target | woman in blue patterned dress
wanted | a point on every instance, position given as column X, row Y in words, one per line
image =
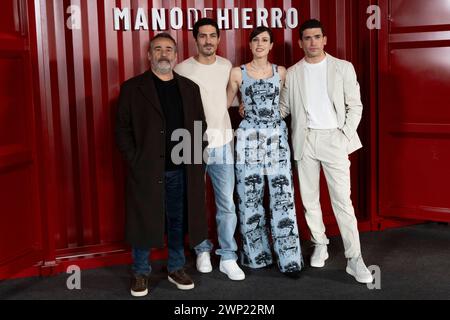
column 262, row 152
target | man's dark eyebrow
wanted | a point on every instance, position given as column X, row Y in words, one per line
column 316, row 35
column 160, row 47
column 205, row 34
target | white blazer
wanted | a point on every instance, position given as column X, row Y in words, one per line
column 344, row 92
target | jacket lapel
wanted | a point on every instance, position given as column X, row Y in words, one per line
column 302, row 83
column 148, row 89
column 331, row 76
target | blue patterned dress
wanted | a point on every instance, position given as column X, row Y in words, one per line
column 263, row 153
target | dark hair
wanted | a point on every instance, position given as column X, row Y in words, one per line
column 260, row 30
column 311, row 24
column 205, row 22
column 163, row 35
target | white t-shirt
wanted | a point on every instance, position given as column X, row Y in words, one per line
column 212, row 80
column 321, row 112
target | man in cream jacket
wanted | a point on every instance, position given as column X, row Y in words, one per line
column 322, row 95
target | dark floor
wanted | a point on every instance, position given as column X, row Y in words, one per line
column 414, row 263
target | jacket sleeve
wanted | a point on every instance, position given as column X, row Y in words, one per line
column 285, row 98
column 124, row 127
column 353, row 104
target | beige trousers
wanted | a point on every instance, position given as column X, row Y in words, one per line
column 328, row 148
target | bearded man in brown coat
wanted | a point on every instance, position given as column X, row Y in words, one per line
column 154, row 108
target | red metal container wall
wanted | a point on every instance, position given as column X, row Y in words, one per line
column 80, row 72
column 414, row 115
column 20, row 231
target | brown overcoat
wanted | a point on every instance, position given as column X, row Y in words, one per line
column 141, row 138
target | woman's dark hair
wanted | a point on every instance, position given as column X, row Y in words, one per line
column 205, row 22
column 311, row 24
column 260, row 30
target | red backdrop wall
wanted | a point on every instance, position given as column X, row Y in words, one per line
column 61, row 177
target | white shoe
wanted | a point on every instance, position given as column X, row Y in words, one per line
column 357, row 269
column 319, row 256
column 204, row 262
column 232, row 270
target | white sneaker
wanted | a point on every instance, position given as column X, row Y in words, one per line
column 358, row 269
column 319, row 256
column 232, row 270
column 204, row 262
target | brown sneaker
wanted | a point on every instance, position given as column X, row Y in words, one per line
column 181, row 280
column 139, row 286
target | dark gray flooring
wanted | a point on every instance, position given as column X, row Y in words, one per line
column 414, row 263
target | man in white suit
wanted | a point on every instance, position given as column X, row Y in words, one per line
column 322, row 94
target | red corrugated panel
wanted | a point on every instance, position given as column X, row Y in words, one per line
column 81, row 71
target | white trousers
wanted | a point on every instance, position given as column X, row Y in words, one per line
column 328, row 149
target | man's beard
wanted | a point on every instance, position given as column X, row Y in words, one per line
column 163, row 67
column 208, row 53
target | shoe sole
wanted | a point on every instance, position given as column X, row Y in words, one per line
column 360, row 280
column 240, row 278
column 209, row 270
column 139, row 294
column 181, row 286
column 322, row 264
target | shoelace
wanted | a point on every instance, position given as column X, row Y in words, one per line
column 180, row 274
column 140, row 282
column 360, row 265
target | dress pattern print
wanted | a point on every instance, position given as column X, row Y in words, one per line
column 263, row 153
